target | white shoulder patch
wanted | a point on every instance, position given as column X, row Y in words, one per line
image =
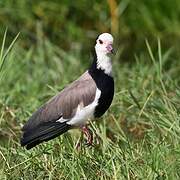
column 83, row 114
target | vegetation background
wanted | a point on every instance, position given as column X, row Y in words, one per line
column 140, row 134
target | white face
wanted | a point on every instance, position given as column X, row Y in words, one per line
column 104, row 44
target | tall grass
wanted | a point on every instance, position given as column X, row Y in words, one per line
column 139, row 135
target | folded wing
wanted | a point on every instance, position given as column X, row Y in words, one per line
column 43, row 125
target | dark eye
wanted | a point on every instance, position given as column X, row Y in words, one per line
column 100, row 41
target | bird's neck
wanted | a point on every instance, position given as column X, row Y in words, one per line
column 102, row 62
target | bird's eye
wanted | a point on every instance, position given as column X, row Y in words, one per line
column 100, row 41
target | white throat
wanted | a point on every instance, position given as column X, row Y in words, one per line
column 104, row 62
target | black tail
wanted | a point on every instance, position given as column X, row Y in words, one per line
column 43, row 132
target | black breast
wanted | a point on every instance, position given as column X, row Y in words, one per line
column 105, row 84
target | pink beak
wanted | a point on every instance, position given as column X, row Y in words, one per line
column 110, row 48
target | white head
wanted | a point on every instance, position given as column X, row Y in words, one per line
column 103, row 49
column 104, row 44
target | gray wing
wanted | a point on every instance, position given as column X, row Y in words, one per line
column 64, row 104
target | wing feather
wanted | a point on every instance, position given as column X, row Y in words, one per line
column 64, row 104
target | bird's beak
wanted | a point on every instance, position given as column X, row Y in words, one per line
column 110, row 49
column 113, row 51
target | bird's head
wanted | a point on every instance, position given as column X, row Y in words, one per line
column 104, row 44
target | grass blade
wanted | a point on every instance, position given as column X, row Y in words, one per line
column 3, row 56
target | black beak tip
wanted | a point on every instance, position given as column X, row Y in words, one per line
column 113, row 51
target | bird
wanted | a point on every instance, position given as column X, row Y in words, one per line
column 81, row 101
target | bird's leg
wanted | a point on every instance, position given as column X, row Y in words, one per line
column 88, row 133
column 98, row 140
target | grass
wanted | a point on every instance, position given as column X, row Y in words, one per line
column 139, row 135
column 64, row 22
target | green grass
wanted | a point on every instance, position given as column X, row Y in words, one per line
column 64, row 22
column 139, row 135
